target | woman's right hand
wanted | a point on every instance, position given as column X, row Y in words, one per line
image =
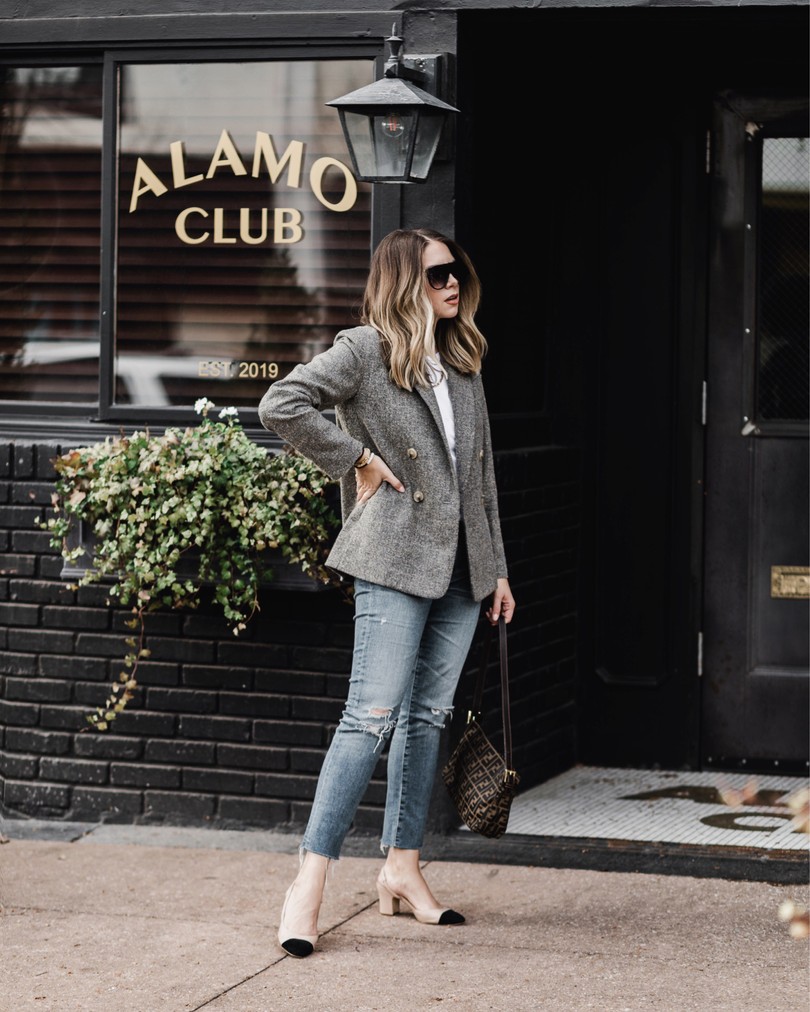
column 370, row 477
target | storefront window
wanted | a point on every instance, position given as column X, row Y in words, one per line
column 242, row 237
column 237, row 240
column 50, row 200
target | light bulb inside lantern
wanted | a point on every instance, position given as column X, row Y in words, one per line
column 392, row 125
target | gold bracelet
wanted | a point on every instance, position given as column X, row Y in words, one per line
column 364, row 457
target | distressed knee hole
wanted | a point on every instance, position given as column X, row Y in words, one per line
column 384, row 726
column 442, row 712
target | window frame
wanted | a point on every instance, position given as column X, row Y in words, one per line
column 775, row 122
column 104, row 416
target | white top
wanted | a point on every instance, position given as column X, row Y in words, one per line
column 438, row 379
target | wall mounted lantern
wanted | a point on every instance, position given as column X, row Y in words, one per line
column 392, row 127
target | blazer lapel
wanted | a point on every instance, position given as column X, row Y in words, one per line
column 463, row 400
column 427, row 395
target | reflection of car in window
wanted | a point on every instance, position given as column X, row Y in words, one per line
column 141, row 376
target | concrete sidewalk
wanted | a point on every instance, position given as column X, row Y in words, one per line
column 151, row 919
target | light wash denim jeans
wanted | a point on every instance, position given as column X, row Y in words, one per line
column 408, row 656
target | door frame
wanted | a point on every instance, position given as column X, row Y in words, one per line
column 731, row 322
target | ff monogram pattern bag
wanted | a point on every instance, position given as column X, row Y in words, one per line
column 480, row 780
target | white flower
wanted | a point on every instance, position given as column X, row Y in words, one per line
column 203, row 405
column 229, row 413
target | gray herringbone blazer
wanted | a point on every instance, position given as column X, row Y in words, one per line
column 405, row 540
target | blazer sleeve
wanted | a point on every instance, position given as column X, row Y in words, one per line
column 490, row 492
column 292, row 406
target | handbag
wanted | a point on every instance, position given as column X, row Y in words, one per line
column 481, row 781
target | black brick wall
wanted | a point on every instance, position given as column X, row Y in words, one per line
column 232, row 732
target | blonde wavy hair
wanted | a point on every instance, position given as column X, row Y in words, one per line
column 397, row 306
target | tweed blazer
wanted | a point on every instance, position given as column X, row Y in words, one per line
column 404, row 540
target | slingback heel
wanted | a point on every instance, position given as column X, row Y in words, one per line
column 390, row 901
column 294, row 945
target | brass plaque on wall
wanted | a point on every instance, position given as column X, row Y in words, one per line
column 790, row 581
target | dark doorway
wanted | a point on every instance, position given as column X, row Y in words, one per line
column 755, row 689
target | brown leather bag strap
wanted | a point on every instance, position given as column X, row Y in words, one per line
column 478, row 694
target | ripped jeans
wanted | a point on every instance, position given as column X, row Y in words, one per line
column 408, row 656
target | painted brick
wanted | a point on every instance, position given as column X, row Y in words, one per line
column 44, row 742
column 216, row 728
column 217, row 781
column 67, row 718
column 19, row 614
column 176, row 806
column 93, row 595
column 49, row 567
column 23, row 461
column 154, row 673
column 290, row 632
column 41, row 591
column 299, row 814
column 145, row 722
column 132, row 775
column 217, row 677
column 74, row 771
column 253, row 811
column 328, row 710
column 95, row 694
column 182, row 700
column 33, row 797
column 253, row 704
column 322, row 659
column 158, row 623
column 277, row 732
column 284, row 667
column 255, row 757
column 40, row 640
column 57, row 666
column 19, row 767
column 306, row 760
column 208, row 626
column 105, row 803
column 31, row 493
column 37, row 689
column 19, row 714
column 259, row 655
column 299, row 683
column 18, row 565
column 75, row 618
column 368, row 820
column 102, row 644
column 193, row 651
column 44, row 456
column 24, row 517
column 108, row 746
column 289, row 786
column 185, row 752
column 38, row 542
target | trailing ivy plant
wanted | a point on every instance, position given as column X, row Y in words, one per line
column 172, row 514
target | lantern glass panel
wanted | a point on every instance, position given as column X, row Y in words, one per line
column 427, row 140
column 358, row 131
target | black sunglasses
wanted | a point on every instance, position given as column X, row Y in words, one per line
column 439, row 275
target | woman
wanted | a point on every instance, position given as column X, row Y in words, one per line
column 420, row 536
